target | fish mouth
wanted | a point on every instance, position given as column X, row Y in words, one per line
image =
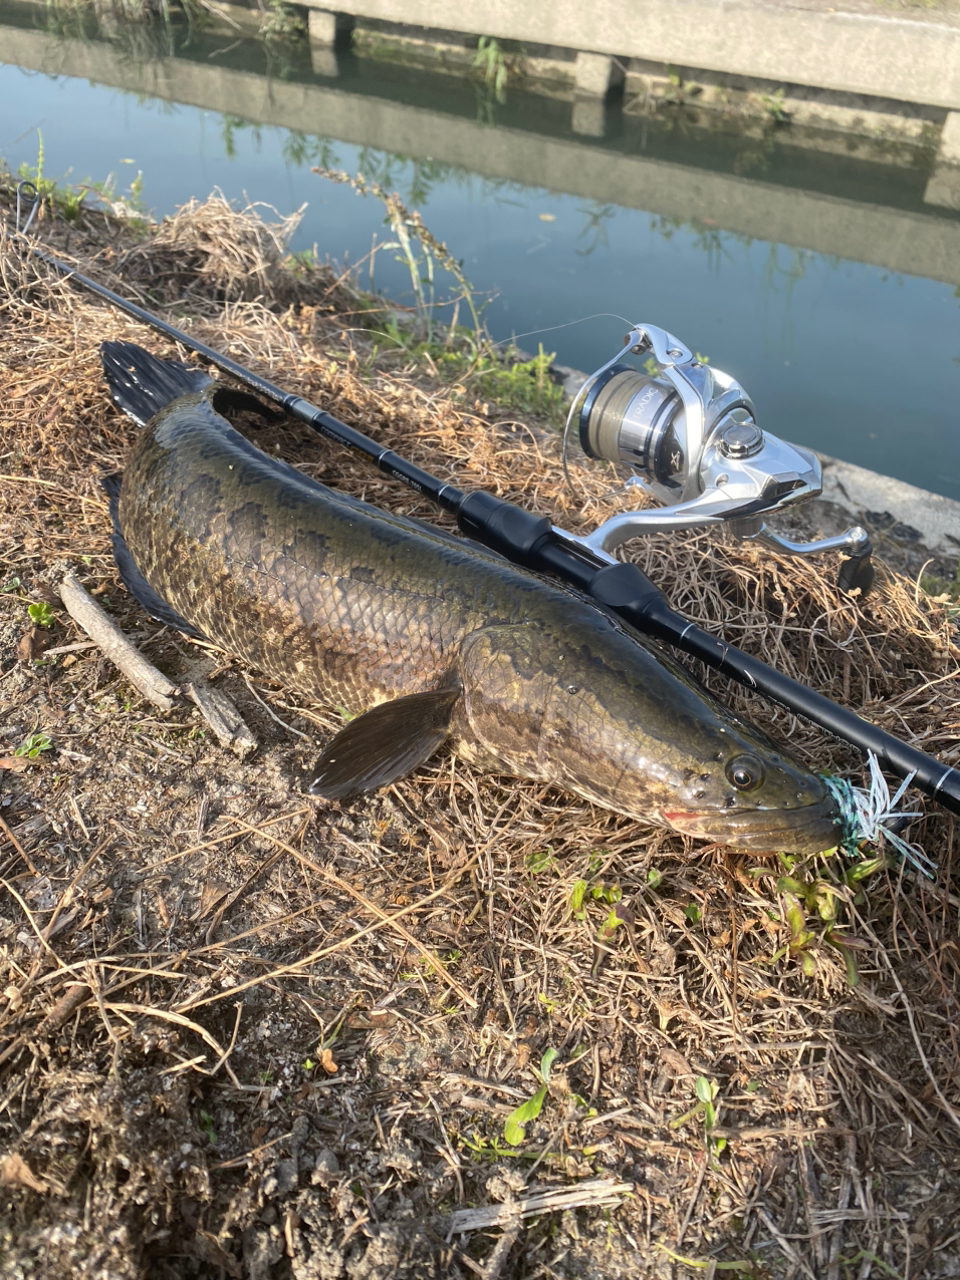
column 810, row 828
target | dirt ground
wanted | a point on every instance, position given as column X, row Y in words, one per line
column 245, row 1034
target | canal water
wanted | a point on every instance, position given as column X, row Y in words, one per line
column 857, row 358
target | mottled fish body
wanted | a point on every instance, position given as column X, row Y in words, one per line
column 424, row 637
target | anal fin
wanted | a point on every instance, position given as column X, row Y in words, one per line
column 384, row 744
column 132, row 578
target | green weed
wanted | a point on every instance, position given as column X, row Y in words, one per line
column 280, row 21
column 706, row 1091
column 66, row 197
column 493, row 65
column 41, row 615
column 514, row 1130
column 773, row 105
column 811, row 908
column 483, row 1148
column 32, row 747
column 745, row 1269
column 421, row 252
column 542, row 860
column 463, row 357
column 206, row 1124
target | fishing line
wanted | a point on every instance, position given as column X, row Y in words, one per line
column 533, row 541
column 567, row 324
column 868, row 813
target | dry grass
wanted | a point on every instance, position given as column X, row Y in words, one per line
column 246, row 1036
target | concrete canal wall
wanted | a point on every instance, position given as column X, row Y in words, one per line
column 867, row 52
column 855, row 48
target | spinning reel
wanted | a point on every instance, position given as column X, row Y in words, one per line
column 688, row 435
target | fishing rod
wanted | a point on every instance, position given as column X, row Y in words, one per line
column 535, row 543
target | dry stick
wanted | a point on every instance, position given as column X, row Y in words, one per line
column 18, row 846
column 596, row 1192
column 32, row 922
column 784, row 1244
column 170, row 1015
column 951, row 1112
column 223, row 718
column 89, row 616
column 695, row 1196
column 270, row 711
column 372, row 907
column 215, row 840
column 232, row 898
column 501, row 1251
column 71, row 1000
column 75, row 995
column 218, row 711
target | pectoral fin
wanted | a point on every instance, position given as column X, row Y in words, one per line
column 384, row 744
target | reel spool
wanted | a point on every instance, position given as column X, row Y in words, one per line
column 688, row 435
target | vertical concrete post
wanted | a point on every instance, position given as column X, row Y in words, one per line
column 943, row 189
column 596, row 78
column 326, row 31
column 597, row 75
column 329, row 28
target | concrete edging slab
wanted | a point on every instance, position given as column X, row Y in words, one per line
column 889, row 57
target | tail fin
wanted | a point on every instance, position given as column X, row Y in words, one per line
column 141, row 384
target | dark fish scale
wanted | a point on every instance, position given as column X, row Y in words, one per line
column 357, row 607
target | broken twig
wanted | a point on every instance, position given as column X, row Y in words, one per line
column 216, row 708
column 598, row 1191
column 90, row 617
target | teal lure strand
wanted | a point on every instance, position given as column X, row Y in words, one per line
column 866, row 811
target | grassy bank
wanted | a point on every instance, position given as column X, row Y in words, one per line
column 244, row 1034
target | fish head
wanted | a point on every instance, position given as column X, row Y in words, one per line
column 599, row 712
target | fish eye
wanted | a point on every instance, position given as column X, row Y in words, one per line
column 745, row 772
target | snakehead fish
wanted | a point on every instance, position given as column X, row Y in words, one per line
column 422, row 636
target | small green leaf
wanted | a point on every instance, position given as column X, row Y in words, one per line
column 546, row 1062
column 612, row 922
column 41, row 615
column 542, row 860
column 693, row 913
column 577, row 895
column 514, row 1130
column 787, row 884
column 654, row 878
column 706, row 1090
column 797, row 922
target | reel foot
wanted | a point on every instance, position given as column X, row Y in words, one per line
column 856, row 572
